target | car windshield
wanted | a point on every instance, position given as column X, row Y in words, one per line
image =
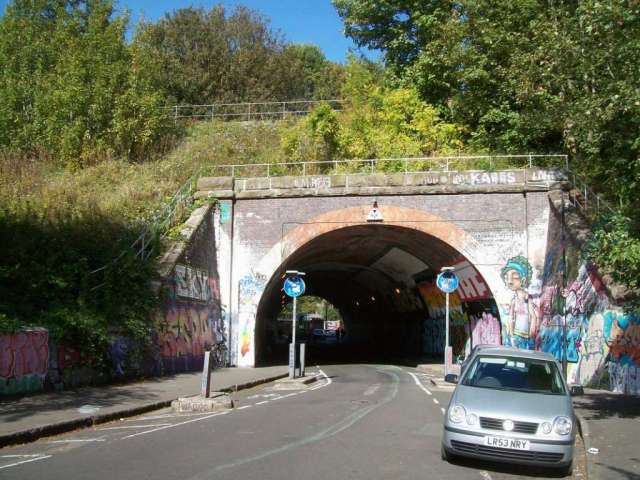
column 515, row 373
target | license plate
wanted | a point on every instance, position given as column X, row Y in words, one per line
column 501, row 442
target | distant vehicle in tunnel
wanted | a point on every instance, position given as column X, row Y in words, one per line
column 319, row 334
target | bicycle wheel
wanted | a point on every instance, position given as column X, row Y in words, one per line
column 217, row 357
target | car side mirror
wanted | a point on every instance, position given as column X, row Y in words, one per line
column 576, row 390
column 451, row 378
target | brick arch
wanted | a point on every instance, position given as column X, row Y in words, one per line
column 431, row 225
column 427, row 223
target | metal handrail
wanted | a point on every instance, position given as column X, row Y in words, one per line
column 159, row 226
column 580, row 194
column 162, row 222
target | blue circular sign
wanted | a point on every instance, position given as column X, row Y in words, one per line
column 447, row 282
column 294, row 286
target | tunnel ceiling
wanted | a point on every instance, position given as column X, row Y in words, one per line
column 359, row 262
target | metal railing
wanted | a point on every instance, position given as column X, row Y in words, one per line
column 249, row 111
column 586, row 201
column 388, row 165
column 581, row 194
column 160, row 226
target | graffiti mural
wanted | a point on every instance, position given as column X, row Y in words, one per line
column 24, row 357
column 622, row 337
column 250, row 291
column 521, row 323
column 191, row 318
column 434, row 327
column 482, row 329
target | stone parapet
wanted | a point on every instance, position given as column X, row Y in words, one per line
column 409, row 183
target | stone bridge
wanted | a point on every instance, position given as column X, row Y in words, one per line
column 372, row 245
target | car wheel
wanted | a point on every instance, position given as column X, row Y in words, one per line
column 446, row 455
column 567, row 471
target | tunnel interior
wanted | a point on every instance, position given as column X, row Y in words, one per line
column 375, row 275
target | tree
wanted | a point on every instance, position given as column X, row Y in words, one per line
column 321, row 79
column 210, row 57
column 526, row 76
column 66, row 66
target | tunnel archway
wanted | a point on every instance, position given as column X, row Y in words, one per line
column 379, row 275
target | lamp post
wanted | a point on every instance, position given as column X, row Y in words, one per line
column 294, row 287
column 447, row 282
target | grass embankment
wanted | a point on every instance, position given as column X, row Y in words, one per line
column 56, row 226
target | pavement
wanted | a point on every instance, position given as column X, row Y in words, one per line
column 608, row 422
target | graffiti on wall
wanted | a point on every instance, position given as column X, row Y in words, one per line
column 434, row 327
column 436, row 303
column 520, row 317
column 24, row 358
column 250, row 291
column 191, row 283
column 191, row 318
column 471, row 285
column 482, row 329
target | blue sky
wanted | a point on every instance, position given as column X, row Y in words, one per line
column 301, row 21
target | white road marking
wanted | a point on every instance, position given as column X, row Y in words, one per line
column 322, row 374
column 35, row 459
column 484, row 474
column 136, row 426
column 178, row 424
column 435, row 401
column 332, row 430
column 78, row 440
column 442, row 410
column 419, row 383
column 372, row 389
column 262, row 403
column 246, row 406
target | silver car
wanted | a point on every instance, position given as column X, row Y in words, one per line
column 514, row 406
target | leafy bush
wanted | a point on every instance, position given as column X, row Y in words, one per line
column 614, row 246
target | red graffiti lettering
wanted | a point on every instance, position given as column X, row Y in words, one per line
column 24, row 353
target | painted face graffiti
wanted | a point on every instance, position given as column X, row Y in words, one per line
column 513, row 280
column 522, row 322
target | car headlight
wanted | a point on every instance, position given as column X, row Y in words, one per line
column 546, row 427
column 472, row 419
column 562, row 425
column 457, row 413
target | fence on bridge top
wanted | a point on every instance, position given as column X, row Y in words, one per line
column 249, row 111
column 387, row 165
column 585, row 200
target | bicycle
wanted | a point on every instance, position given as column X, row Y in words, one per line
column 219, row 355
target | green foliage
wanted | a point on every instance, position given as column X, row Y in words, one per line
column 614, row 247
column 524, row 76
column 72, row 87
column 211, row 56
column 376, row 122
column 45, row 279
column 321, row 79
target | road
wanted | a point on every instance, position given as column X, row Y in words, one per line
column 356, row 422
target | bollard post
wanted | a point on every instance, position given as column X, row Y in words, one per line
column 303, row 348
column 205, row 391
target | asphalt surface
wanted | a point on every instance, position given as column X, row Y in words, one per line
column 608, row 422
